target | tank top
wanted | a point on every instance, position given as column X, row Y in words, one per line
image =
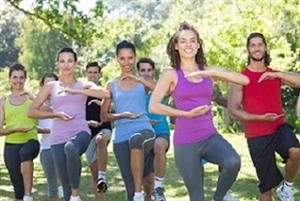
column 45, row 138
column 188, row 95
column 93, row 113
column 261, row 98
column 71, row 104
column 162, row 127
column 16, row 116
column 134, row 101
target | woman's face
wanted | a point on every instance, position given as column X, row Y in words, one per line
column 17, row 79
column 66, row 63
column 187, row 44
column 126, row 59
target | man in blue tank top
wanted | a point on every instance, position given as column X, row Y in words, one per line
column 146, row 68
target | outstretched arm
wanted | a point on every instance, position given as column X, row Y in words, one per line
column 298, row 106
column 221, row 74
column 289, row 78
column 236, row 111
column 161, row 90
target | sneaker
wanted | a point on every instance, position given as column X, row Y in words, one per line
column 158, row 194
column 27, row 198
column 284, row 195
column 138, row 198
column 229, row 197
column 101, row 185
column 60, row 192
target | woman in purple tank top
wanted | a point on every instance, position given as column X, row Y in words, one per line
column 69, row 133
column 190, row 83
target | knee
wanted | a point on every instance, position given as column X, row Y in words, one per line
column 70, row 149
column 136, row 142
column 233, row 164
column 294, row 153
column 100, row 140
column 159, row 147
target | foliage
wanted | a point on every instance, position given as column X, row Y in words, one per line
column 9, row 30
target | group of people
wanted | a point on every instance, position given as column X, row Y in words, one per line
column 74, row 117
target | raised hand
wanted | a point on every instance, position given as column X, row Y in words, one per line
column 94, row 124
column 198, row 111
column 268, row 76
column 24, row 129
column 130, row 115
column 136, row 78
column 96, row 101
column 271, row 116
column 63, row 116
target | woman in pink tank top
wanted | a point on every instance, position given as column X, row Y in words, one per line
column 69, row 133
column 195, row 137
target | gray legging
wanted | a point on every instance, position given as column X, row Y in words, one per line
column 215, row 150
column 67, row 160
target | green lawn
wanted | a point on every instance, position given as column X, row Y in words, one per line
column 244, row 188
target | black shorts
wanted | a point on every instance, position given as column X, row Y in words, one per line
column 262, row 150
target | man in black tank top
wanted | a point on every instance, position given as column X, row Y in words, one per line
column 101, row 134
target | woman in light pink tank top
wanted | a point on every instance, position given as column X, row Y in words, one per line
column 70, row 134
column 190, row 83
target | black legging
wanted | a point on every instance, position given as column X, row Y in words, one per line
column 14, row 155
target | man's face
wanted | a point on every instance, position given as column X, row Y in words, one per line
column 146, row 71
column 257, row 49
column 93, row 74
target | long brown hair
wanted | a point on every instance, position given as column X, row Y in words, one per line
column 175, row 60
column 267, row 58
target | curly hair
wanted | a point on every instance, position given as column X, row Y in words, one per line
column 173, row 54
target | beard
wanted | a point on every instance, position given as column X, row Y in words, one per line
column 258, row 59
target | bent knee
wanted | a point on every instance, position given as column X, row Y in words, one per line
column 70, row 149
column 294, row 153
column 233, row 163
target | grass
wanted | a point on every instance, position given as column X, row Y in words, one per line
column 245, row 188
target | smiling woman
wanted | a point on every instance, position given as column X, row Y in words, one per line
column 19, row 149
column 70, row 134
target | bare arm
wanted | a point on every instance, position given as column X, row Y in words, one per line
column 149, row 84
column 106, row 115
column 289, row 78
column 161, row 90
column 219, row 99
column 89, row 89
column 36, row 111
column 236, row 111
column 221, row 74
column 298, row 106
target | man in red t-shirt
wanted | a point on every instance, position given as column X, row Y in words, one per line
column 259, row 106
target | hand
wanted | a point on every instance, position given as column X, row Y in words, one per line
column 67, row 90
column 271, row 116
column 94, row 124
column 96, row 101
column 26, row 93
column 63, row 116
column 268, row 76
column 136, row 78
column 154, row 122
column 24, row 129
column 198, row 111
column 130, row 115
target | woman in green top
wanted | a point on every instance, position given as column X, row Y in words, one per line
column 21, row 145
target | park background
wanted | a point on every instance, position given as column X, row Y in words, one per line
column 32, row 31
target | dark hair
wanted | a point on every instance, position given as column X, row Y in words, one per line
column 46, row 75
column 125, row 45
column 174, row 54
column 93, row 64
column 267, row 58
column 145, row 60
column 17, row 67
column 66, row 49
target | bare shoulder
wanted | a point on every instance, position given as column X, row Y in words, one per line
column 169, row 73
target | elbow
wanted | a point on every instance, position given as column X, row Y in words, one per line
column 30, row 113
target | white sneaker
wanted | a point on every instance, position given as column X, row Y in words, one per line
column 285, row 195
column 229, row 197
column 27, row 198
column 138, row 198
column 60, row 192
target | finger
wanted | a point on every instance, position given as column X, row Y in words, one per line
column 262, row 77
